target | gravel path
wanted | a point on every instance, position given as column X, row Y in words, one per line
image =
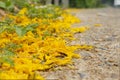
column 103, row 62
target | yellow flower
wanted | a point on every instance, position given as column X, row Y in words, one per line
column 38, row 77
column 6, row 65
column 11, row 74
column 80, row 29
column 50, row 15
column 40, row 48
column 22, row 11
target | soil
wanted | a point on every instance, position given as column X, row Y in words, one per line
column 102, row 63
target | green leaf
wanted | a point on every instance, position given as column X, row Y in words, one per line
column 31, row 27
column 12, row 46
column 45, row 34
column 6, row 57
column 2, row 29
column 9, row 5
column 8, row 53
column 8, row 60
column 20, row 31
column 2, row 5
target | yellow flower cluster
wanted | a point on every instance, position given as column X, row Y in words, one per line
column 42, row 48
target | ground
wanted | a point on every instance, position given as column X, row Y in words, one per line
column 102, row 63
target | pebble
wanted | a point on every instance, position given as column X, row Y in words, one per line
column 82, row 75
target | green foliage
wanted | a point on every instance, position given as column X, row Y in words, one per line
column 72, row 3
column 91, row 3
column 2, row 5
column 6, row 59
column 43, row 12
column 21, row 31
column 48, row 11
column 85, row 3
column 7, row 52
column 5, row 25
column 10, row 5
column 21, row 3
column 80, row 3
column 43, row 2
column 7, row 5
column 25, row 3
column 46, row 33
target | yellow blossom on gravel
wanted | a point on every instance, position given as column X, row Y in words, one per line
column 97, row 25
column 80, row 29
column 38, row 48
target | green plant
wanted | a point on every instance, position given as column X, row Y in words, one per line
column 7, row 5
column 91, row 3
column 10, row 5
column 85, row 3
column 21, row 3
column 21, row 31
column 80, row 3
column 2, row 4
column 5, row 25
column 43, row 2
column 47, row 11
column 7, row 52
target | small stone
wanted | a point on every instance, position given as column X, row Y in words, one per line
column 114, row 76
column 82, row 75
column 102, row 14
column 115, row 65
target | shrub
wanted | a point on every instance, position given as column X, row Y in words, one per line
column 85, row 3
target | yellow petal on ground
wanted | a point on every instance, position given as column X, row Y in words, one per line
column 80, row 29
column 97, row 25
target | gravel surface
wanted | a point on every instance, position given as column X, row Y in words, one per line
column 103, row 62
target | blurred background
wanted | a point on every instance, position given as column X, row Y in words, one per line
column 16, row 5
column 63, row 3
